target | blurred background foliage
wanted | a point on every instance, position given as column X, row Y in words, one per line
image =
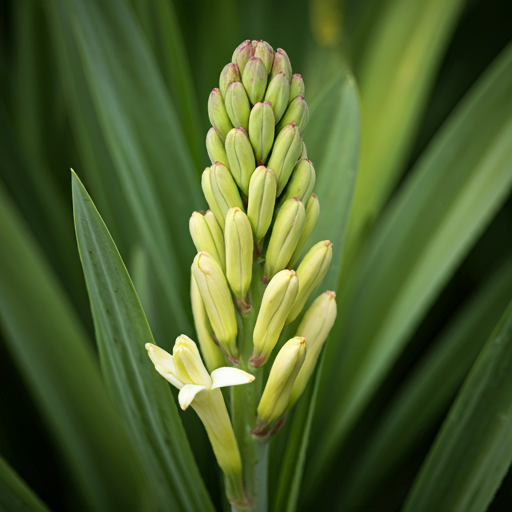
column 118, row 90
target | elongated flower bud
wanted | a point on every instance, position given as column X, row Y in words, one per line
column 278, row 93
column 285, row 236
column 276, row 395
column 216, row 296
column 265, row 52
column 254, row 79
column 215, row 147
column 281, row 63
column 302, row 182
column 207, row 236
column 297, row 112
column 217, row 113
column 237, row 105
column 297, row 88
column 212, row 354
column 262, row 130
column 285, row 153
column 240, row 157
column 304, row 153
column 262, row 197
column 229, row 74
column 242, row 54
column 315, row 327
column 220, row 191
column 312, row 213
column 188, row 363
column 276, row 304
column 239, row 251
column 311, row 271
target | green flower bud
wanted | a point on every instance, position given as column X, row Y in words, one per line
column 254, row 79
column 220, row 191
column 275, row 398
column 276, row 305
column 281, row 63
column 278, row 93
column 240, row 157
column 229, row 74
column 304, row 153
column 297, row 112
column 212, row 354
column 217, row 113
column 207, row 236
column 311, row 271
column 297, row 88
column 219, row 306
column 261, row 130
column 302, row 182
column 285, row 236
column 242, row 54
column 237, row 105
column 286, row 152
column 265, row 52
column 262, row 197
column 239, row 251
column 312, row 213
column 315, row 327
column 215, row 147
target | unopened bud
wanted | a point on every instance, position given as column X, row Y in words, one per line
column 217, row 113
column 237, row 105
column 261, row 130
column 278, row 93
column 302, row 182
column 188, row 363
column 278, row 299
column 240, row 157
column 311, row 271
column 239, row 251
column 285, row 153
column 312, row 213
column 297, row 112
column 315, row 327
column 281, row 63
column 242, row 54
column 276, row 395
column 229, row 74
column 220, row 191
column 297, row 88
column 212, row 354
column 215, row 147
column 285, row 236
column 216, row 296
column 304, row 153
column 262, row 197
column 265, row 52
column 207, row 236
column 254, row 79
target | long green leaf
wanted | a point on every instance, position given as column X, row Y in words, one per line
column 142, row 397
column 53, row 356
column 457, row 186
column 473, row 451
column 15, row 495
column 428, row 390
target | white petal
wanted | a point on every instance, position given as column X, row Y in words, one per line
column 226, row 376
column 164, row 364
column 188, row 393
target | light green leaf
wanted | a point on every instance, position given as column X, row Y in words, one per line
column 15, row 495
column 473, row 451
column 451, row 195
column 141, row 395
column 428, row 390
column 53, row 356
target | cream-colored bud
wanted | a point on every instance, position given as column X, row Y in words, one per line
column 312, row 213
column 278, row 93
column 262, row 198
column 281, row 64
column 297, row 112
column 242, row 54
column 215, row 147
column 262, row 130
column 254, row 78
column 217, row 300
column 188, row 363
column 302, row 182
column 229, row 74
column 217, row 113
column 237, row 105
column 278, row 299
column 207, row 236
column 285, row 236
column 239, row 251
column 297, row 87
column 240, row 157
column 310, row 272
column 265, row 52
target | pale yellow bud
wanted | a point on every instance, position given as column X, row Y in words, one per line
column 188, row 363
column 207, row 236
column 312, row 213
column 262, row 198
